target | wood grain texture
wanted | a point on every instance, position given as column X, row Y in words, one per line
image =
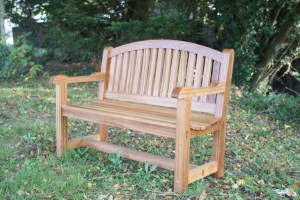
column 124, row 74
column 130, row 76
column 145, row 72
column 116, row 84
column 190, row 70
column 97, row 76
column 153, row 61
column 206, row 76
column 182, row 69
column 221, row 111
column 158, row 72
column 202, row 171
column 174, row 71
column 166, row 73
column 61, row 121
column 112, row 71
column 182, row 151
column 169, row 44
column 180, row 93
column 137, row 72
column 105, row 66
column 159, row 101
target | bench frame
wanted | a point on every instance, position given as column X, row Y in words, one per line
column 184, row 172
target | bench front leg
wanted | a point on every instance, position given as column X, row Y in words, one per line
column 182, row 152
column 61, row 121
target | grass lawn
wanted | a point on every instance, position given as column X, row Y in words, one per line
column 262, row 153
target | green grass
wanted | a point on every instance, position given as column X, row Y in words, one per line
column 262, row 152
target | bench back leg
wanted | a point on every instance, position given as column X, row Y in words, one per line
column 102, row 131
column 182, row 152
column 61, row 121
column 219, row 150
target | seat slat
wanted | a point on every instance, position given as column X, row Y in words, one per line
column 205, row 118
column 123, row 121
column 154, row 116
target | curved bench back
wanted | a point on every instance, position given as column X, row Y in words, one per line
column 147, row 72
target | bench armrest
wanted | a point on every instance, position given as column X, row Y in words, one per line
column 214, row 88
column 97, row 76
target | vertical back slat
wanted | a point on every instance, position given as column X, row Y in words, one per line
column 112, row 73
column 174, row 71
column 130, row 71
column 124, row 72
column 158, row 73
column 137, row 71
column 166, row 73
column 214, row 78
column 117, row 73
column 206, row 76
column 145, row 69
column 182, row 68
column 152, row 71
column 198, row 74
column 190, row 70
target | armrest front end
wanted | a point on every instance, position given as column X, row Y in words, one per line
column 180, row 93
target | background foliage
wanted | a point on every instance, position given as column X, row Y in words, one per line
column 264, row 34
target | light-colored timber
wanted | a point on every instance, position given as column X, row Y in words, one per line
column 167, row 88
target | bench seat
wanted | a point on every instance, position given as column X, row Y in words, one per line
column 139, row 117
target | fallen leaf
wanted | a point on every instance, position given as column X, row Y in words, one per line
column 102, row 197
column 235, row 186
column 225, row 187
column 203, row 195
column 116, row 186
column 240, row 182
column 290, row 192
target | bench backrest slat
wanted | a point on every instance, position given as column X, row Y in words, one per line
column 148, row 71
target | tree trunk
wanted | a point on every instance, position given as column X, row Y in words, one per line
column 139, row 10
column 279, row 42
column 2, row 16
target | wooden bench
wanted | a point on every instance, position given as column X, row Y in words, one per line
column 168, row 88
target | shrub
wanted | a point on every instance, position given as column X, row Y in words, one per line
column 18, row 59
column 281, row 107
